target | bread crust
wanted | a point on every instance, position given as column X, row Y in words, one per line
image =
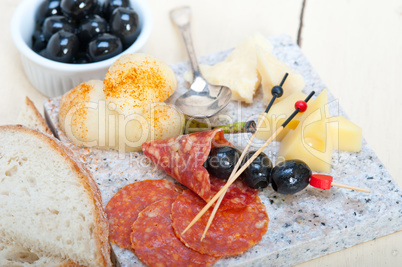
column 38, row 116
column 86, row 180
column 70, row 264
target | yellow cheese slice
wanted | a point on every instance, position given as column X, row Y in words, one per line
column 239, row 70
column 311, row 141
column 277, row 115
column 272, row 71
column 345, row 134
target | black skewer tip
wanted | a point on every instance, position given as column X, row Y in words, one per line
column 270, row 103
column 309, row 96
column 283, row 79
column 276, row 91
column 297, row 110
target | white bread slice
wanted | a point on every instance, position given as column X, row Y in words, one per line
column 50, row 205
column 29, row 116
column 18, row 256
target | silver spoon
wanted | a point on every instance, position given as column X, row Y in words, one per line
column 202, row 100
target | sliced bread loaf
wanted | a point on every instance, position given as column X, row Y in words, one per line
column 50, row 205
column 12, row 255
column 29, row 116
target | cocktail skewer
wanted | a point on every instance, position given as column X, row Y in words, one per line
column 277, row 91
column 323, row 181
column 300, row 106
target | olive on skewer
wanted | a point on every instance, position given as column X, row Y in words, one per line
column 257, row 174
column 287, row 178
column 290, row 177
column 221, row 161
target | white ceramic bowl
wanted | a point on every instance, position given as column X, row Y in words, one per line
column 54, row 78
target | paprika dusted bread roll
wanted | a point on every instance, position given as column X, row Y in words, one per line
column 125, row 110
column 136, row 80
column 50, row 205
column 84, row 116
column 158, row 121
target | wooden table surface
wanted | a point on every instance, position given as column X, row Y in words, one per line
column 355, row 45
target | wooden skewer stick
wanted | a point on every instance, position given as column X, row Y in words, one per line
column 253, row 157
column 350, row 187
column 231, row 179
column 324, row 181
column 229, row 183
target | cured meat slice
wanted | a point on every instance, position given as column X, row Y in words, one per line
column 183, row 158
column 155, row 242
column 123, row 208
column 237, row 196
column 231, row 233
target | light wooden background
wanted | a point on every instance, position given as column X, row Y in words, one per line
column 355, row 45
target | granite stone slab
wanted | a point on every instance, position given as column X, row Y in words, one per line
column 304, row 226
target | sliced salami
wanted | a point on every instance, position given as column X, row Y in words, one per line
column 155, row 242
column 183, row 158
column 237, row 196
column 232, row 232
column 123, row 208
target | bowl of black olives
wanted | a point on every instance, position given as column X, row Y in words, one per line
column 66, row 42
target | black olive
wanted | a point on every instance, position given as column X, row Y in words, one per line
column 221, row 161
column 43, row 53
column 290, row 177
column 82, row 59
column 53, row 24
column 98, row 10
column 124, row 24
column 78, row 9
column 257, row 174
column 110, row 5
column 91, row 27
column 38, row 41
column 62, row 47
column 89, row 16
column 46, row 9
column 104, row 46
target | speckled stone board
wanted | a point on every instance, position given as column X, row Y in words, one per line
column 304, row 226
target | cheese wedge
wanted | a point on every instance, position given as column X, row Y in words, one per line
column 311, row 141
column 272, row 71
column 239, row 70
column 277, row 115
column 345, row 134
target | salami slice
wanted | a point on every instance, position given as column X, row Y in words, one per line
column 232, row 232
column 183, row 158
column 237, row 196
column 155, row 242
column 123, row 208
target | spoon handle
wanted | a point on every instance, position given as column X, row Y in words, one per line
column 182, row 17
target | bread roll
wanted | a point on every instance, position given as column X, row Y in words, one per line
column 125, row 110
column 159, row 121
column 136, row 80
column 84, row 115
column 88, row 120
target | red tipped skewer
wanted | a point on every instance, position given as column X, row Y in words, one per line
column 276, row 91
column 300, row 106
column 323, row 181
